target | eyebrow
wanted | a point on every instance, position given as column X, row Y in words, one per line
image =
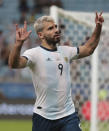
column 52, row 26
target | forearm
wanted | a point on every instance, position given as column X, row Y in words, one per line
column 94, row 40
column 15, row 60
column 14, row 57
column 89, row 47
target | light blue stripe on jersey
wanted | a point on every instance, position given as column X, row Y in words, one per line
column 51, row 99
column 69, row 104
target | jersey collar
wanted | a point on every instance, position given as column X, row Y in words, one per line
column 48, row 49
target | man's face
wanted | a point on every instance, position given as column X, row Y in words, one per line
column 51, row 33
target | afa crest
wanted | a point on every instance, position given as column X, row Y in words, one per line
column 66, row 59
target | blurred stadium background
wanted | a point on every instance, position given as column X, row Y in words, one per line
column 16, row 90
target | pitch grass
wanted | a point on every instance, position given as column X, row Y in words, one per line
column 26, row 125
column 15, row 125
column 101, row 126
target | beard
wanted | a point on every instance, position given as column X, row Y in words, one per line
column 52, row 41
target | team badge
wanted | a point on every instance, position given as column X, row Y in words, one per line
column 66, row 59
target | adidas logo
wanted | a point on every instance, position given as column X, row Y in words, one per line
column 48, row 59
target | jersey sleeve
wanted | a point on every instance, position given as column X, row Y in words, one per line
column 29, row 56
column 72, row 52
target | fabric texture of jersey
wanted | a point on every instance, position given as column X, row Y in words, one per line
column 50, row 70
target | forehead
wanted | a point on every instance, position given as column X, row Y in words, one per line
column 48, row 24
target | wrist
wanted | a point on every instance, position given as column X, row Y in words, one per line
column 98, row 23
column 19, row 43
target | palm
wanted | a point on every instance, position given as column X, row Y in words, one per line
column 21, row 33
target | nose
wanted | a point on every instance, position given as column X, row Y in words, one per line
column 58, row 31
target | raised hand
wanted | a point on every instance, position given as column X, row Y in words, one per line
column 21, row 33
column 99, row 18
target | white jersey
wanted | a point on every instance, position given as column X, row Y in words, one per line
column 50, row 71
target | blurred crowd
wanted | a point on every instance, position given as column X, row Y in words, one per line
column 38, row 7
column 28, row 13
column 81, row 69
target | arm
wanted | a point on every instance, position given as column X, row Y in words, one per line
column 15, row 60
column 89, row 47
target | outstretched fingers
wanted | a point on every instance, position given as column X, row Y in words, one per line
column 22, row 33
column 25, row 26
column 96, row 15
column 29, row 32
column 17, row 31
column 101, row 19
column 96, row 18
column 17, row 27
column 101, row 13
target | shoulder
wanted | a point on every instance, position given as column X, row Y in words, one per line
column 66, row 47
column 61, row 47
column 32, row 50
column 31, row 54
column 69, row 50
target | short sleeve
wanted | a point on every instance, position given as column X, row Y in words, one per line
column 74, row 52
column 29, row 56
column 71, row 52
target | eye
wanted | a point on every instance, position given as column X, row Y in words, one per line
column 56, row 26
column 50, row 28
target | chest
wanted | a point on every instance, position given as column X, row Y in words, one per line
column 52, row 63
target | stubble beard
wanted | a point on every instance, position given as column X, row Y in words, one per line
column 52, row 41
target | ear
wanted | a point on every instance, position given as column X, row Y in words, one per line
column 40, row 35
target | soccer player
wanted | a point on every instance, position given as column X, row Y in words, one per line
column 49, row 65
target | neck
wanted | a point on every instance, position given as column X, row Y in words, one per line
column 48, row 46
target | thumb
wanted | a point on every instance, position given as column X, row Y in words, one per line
column 29, row 32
